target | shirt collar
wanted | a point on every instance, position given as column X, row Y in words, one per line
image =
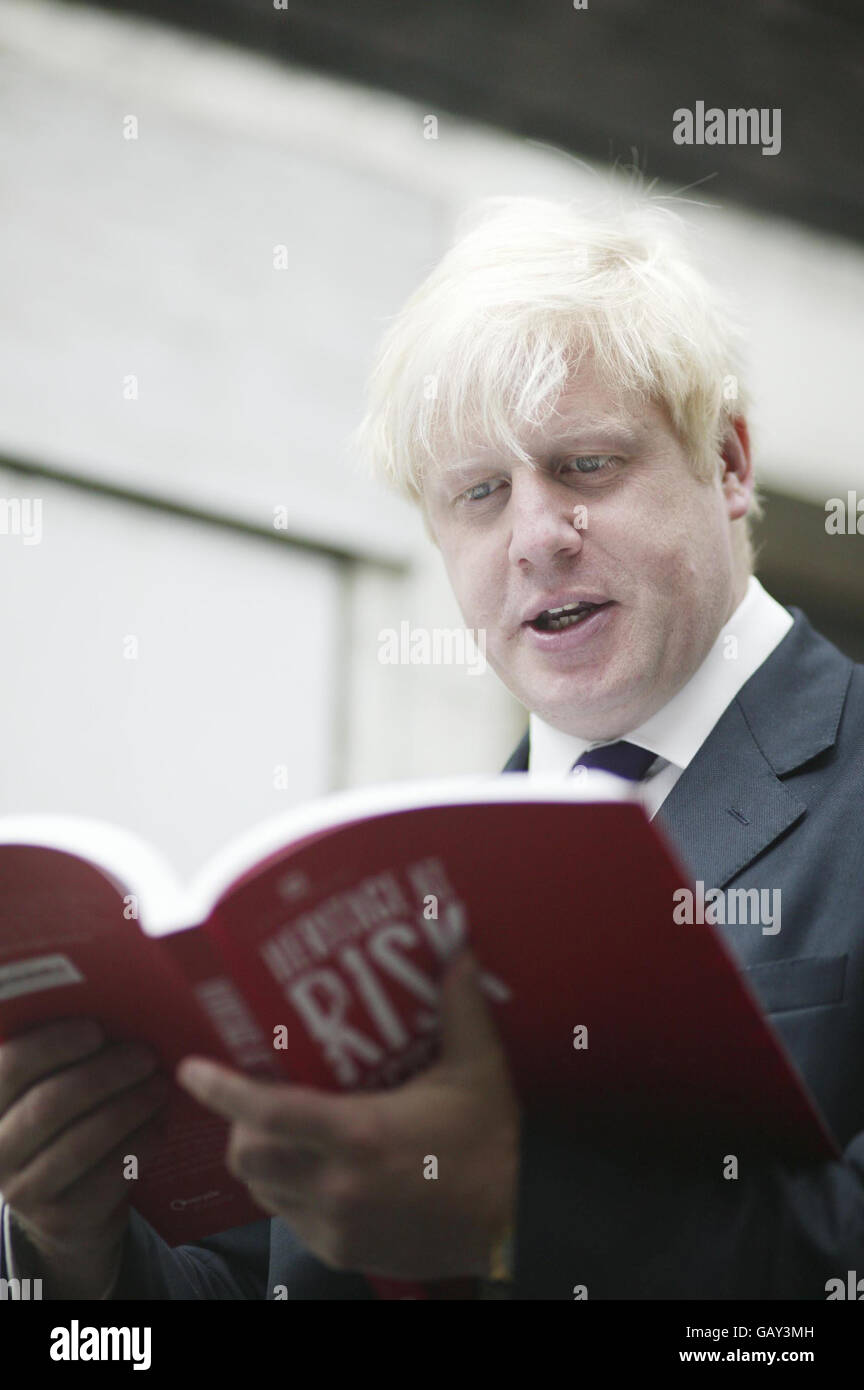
column 677, row 731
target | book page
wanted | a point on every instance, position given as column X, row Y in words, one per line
column 128, row 861
column 252, row 850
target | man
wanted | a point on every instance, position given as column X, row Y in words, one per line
column 564, row 398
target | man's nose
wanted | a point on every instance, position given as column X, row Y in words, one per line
column 546, row 521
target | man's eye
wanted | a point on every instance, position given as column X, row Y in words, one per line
column 590, row 463
column 479, row 491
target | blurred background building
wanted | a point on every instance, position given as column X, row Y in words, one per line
column 209, row 211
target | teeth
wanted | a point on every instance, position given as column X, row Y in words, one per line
column 566, row 620
column 580, row 607
column 552, row 619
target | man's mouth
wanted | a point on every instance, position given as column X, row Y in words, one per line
column 568, row 615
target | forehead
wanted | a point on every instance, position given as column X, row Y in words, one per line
column 589, row 400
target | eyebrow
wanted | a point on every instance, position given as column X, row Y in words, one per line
column 600, row 430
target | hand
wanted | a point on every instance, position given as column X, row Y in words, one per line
column 347, row 1171
column 69, row 1111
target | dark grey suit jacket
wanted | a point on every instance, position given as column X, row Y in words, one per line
column 774, row 799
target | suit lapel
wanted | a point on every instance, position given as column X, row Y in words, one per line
column 729, row 805
column 518, row 760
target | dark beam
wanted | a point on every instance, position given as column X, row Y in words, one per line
column 601, row 82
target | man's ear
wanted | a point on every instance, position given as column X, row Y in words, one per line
column 737, row 481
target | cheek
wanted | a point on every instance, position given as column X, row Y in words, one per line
column 476, row 586
column 667, row 542
column 682, row 571
column 657, row 562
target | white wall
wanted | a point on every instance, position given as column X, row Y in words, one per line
column 153, row 258
column 157, row 672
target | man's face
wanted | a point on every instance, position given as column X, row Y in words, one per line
column 651, row 551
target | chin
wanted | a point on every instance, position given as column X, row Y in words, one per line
column 584, row 708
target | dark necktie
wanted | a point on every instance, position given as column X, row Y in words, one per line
column 622, row 758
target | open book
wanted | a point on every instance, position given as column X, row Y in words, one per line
column 312, row 950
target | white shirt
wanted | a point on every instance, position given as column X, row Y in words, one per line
column 678, row 730
column 675, row 733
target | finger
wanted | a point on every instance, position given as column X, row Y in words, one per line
column 278, row 1203
column 273, row 1201
column 93, row 1208
column 36, row 1054
column 468, row 1031
column 255, row 1158
column 312, row 1119
column 83, row 1145
column 51, row 1105
column 87, row 1209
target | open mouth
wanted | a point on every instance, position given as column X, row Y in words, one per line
column 554, row 619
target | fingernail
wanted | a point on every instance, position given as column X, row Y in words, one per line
column 192, row 1074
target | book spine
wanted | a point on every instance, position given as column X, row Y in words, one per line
column 236, row 1025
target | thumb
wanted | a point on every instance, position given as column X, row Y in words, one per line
column 468, row 1032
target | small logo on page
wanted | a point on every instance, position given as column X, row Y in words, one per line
column 181, row 1203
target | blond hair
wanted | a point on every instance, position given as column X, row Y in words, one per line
column 487, row 343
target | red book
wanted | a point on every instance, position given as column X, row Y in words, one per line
column 312, row 950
